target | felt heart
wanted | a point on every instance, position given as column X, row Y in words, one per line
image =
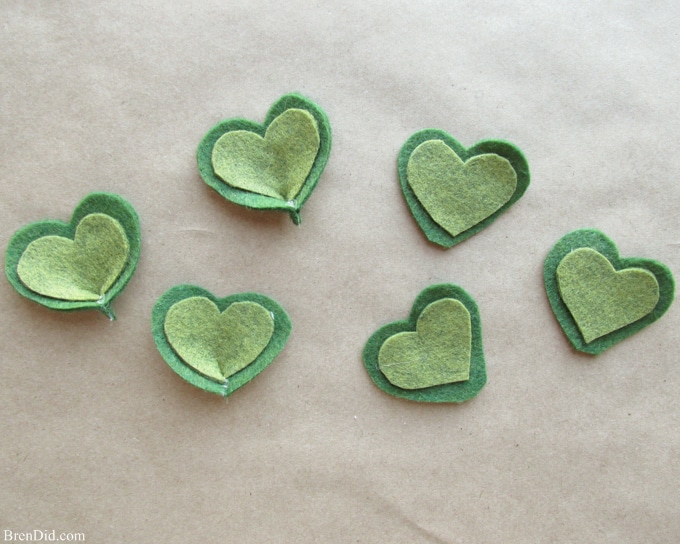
column 600, row 298
column 438, row 352
column 276, row 165
column 273, row 166
column 218, row 344
column 80, row 269
column 434, row 356
column 454, row 192
column 78, row 265
column 458, row 194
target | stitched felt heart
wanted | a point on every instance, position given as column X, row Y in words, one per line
column 218, row 344
column 434, row 356
column 600, row 298
column 82, row 264
column 454, row 192
column 274, row 166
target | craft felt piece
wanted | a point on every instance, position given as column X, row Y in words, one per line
column 273, row 166
column 435, row 355
column 218, row 344
column 600, row 298
column 438, row 352
column 78, row 265
column 454, row 192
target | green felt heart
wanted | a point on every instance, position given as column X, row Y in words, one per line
column 458, row 194
column 276, row 165
column 218, row 344
column 600, row 298
column 78, row 265
column 273, row 166
column 454, row 192
column 438, row 352
column 80, row 269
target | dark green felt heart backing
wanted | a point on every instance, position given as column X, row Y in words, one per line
column 255, row 200
column 594, row 239
column 450, row 392
column 433, row 231
column 108, row 204
column 282, row 330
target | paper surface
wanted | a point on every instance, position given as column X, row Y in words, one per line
column 100, row 437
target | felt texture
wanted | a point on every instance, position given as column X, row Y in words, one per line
column 600, row 299
column 457, row 194
column 458, row 391
column 453, row 192
column 80, row 269
column 438, row 352
column 267, row 175
column 218, row 360
column 276, row 165
column 83, row 264
column 602, row 295
column 218, row 344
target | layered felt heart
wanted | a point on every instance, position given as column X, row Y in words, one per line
column 600, row 298
column 436, row 354
column 273, row 166
column 454, row 192
column 82, row 264
column 218, row 344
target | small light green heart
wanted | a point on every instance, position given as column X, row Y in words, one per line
column 600, row 298
column 457, row 194
column 216, row 344
column 438, row 352
column 276, row 165
column 80, row 269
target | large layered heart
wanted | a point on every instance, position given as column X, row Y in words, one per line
column 436, row 354
column 600, row 298
column 218, row 344
column 454, row 192
column 82, row 264
column 273, row 166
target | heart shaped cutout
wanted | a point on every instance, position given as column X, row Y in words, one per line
column 78, row 265
column 454, row 192
column 218, row 344
column 273, row 166
column 600, row 298
column 436, row 354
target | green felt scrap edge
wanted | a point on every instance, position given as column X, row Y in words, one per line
column 450, row 392
column 432, row 230
column 106, row 203
column 598, row 241
column 282, row 330
column 254, row 200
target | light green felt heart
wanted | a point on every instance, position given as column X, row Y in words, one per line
column 457, row 194
column 438, row 352
column 600, row 298
column 216, row 344
column 82, row 269
column 276, row 165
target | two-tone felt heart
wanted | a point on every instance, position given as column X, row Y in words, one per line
column 218, row 344
column 273, row 166
column 600, row 298
column 82, row 264
column 436, row 354
column 454, row 192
